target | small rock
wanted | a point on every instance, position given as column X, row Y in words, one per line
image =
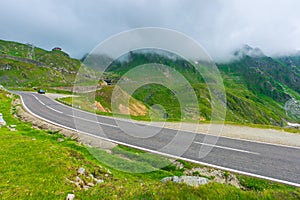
column 217, row 176
column 85, row 187
column 81, row 170
column 194, row 180
column 12, row 127
column 77, row 184
column 177, row 164
column 189, row 180
column 59, row 140
column 99, row 181
column 2, row 121
column 91, row 184
column 69, row 180
column 232, row 180
column 176, row 179
column 78, row 179
column 70, row 197
column 166, row 179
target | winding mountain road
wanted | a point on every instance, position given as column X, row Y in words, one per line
column 272, row 162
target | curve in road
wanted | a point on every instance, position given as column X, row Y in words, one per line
column 267, row 161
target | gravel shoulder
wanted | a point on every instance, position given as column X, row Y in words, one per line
column 239, row 132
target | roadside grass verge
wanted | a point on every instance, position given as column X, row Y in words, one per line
column 34, row 165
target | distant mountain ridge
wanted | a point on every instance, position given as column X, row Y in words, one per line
column 257, row 86
column 246, row 50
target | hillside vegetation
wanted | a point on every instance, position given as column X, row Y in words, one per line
column 257, row 87
column 41, row 164
column 24, row 66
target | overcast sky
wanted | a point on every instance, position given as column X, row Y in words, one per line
column 219, row 25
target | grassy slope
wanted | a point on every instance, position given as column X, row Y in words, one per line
column 46, row 68
column 248, row 84
column 246, row 104
column 34, row 165
column 243, row 106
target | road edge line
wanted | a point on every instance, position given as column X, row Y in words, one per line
column 165, row 154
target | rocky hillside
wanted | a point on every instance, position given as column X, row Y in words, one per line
column 266, row 75
column 23, row 65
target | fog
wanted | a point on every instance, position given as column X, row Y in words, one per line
column 220, row 26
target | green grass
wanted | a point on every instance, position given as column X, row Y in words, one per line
column 33, row 165
column 45, row 69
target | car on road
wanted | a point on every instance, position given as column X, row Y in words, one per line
column 40, row 91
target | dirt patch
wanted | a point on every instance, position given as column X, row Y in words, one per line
column 100, row 107
column 37, row 123
column 121, row 99
column 137, row 109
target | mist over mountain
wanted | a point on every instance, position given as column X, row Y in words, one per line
column 246, row 50
column 219, row 26
column 257, row 86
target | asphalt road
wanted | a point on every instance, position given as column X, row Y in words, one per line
column 273, row 162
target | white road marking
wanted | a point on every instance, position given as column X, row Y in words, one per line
column 47, row 105
column 38, row 100
column 203, row 133
column 227, row 148
column 54, row 110
column 217, row 146
column 93, row 121
column 73, row 115
column 164, row 154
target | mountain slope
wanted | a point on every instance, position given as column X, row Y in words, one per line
column 257, row 86
column 265, row 76
column 270, row 81
column 28, row 66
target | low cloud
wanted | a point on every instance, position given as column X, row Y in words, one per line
column 220, row 26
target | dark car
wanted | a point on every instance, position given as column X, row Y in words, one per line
column 41, row 91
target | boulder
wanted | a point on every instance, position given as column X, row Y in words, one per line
column 70, row 197
column 189, row 180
